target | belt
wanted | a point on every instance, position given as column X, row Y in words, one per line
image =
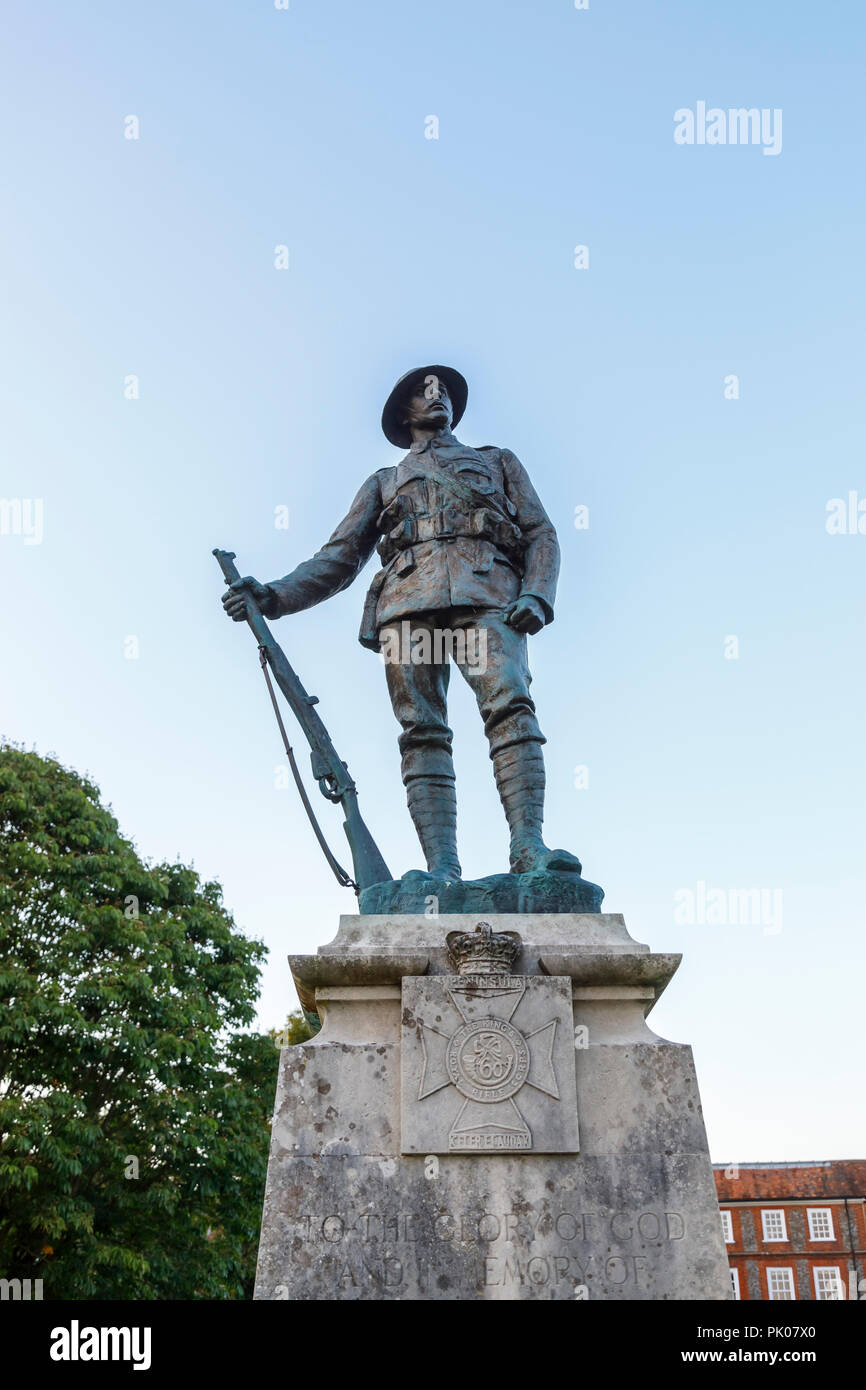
column 448, row 524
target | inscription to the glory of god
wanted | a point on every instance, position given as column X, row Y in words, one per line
column 575, row 1254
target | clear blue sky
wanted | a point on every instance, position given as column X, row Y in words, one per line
column 261, row 387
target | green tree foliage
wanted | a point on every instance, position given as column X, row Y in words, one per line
column 134, row 1109
column 296, row 1029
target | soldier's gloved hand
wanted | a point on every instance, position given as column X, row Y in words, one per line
column 526, row 615
column 235, row 597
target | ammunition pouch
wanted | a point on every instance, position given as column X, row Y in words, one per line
column 369, row 634
column 403, row 529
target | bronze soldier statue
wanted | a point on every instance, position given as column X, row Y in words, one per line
column 464, row 544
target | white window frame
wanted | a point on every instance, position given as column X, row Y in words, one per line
column 820, row 1295
column 817, row 1212
column 773, row 1212
column 774, row 1295
column 735, row 1283
column 727, row 1226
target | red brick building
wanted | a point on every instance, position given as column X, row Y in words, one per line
column 794, row 1230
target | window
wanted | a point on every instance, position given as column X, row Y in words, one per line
column 828, row 1283
column 735, row 1283
column 820, row 1223
column 780, row 1284
column 727, row 1227
column 774, row 1225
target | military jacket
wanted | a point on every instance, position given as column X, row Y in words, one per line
column 454, row 526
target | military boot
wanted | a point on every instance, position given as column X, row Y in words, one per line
column 519, row 772
column 433, row 808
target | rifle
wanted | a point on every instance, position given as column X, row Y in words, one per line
column 331, row 773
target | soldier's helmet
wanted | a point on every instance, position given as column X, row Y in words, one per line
column 392, row 416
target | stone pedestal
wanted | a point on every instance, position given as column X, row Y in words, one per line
column 511, row 1132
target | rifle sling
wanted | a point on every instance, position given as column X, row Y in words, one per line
column 339, row 872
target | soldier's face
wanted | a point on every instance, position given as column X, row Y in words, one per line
column 428, row 406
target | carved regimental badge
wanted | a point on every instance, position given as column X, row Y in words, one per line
column 487, row 1056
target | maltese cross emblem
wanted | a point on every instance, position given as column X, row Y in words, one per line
column 488, row 1064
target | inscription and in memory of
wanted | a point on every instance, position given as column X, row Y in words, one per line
column 487, row 1064
column 557, row 1252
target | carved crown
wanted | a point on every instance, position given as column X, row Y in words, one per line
column 484, row 951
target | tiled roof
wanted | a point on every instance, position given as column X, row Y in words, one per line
column 797, row 1181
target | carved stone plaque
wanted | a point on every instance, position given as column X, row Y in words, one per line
column 488, row 1064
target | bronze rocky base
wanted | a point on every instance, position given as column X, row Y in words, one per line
column 545, row 890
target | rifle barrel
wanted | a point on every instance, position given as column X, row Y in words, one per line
column 367, row 859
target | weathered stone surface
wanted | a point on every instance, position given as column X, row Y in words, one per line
column 544, row 890
column 567, row 934
column 352, row 1212
column 312, row 973
column 488, row 1065
column 610, row 1227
